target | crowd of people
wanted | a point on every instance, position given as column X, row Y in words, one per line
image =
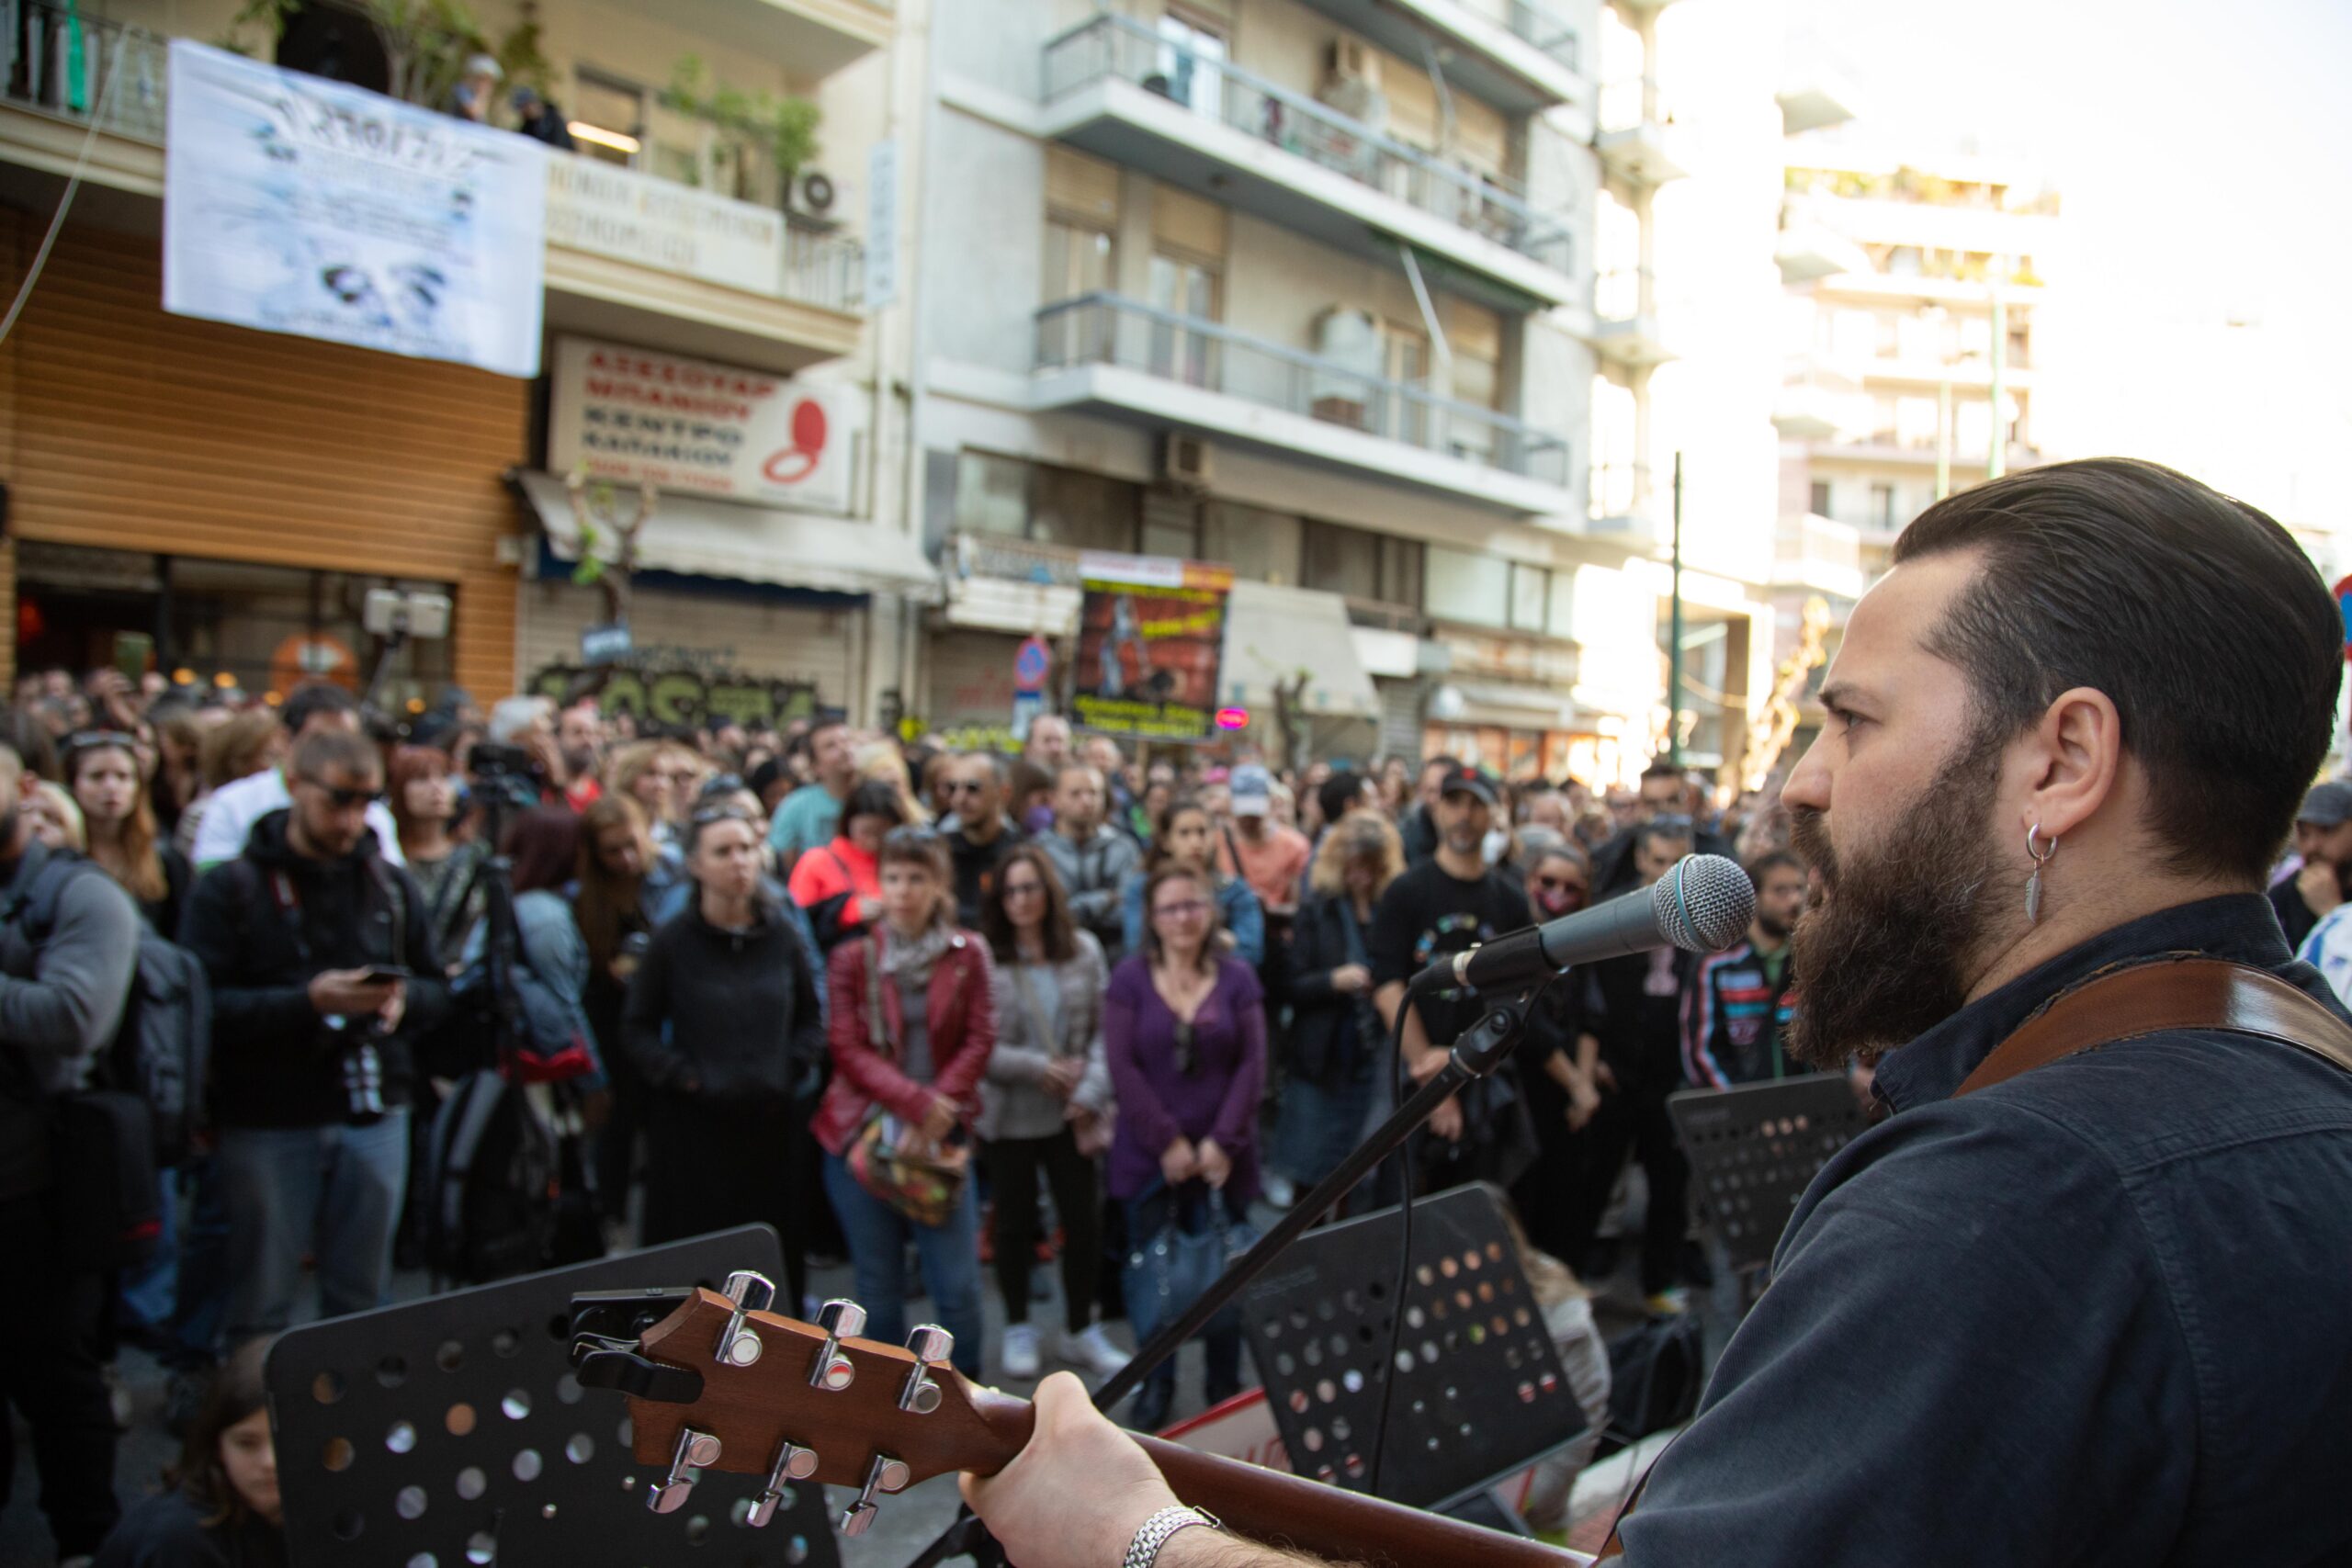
column 1008, row 1014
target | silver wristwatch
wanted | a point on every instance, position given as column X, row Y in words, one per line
column 1153, row 1533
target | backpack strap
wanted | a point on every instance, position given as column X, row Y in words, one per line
column 2162, row 996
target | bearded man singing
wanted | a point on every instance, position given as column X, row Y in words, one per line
column 2100, row 1312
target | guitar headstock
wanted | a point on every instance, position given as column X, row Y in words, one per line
column 721, row 1384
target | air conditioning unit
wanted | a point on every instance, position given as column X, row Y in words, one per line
column 1185, row 461
column 1351, row 60
column 817, row 191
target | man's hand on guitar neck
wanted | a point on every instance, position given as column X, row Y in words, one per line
column 1076, row 1495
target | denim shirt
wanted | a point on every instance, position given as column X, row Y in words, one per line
column 2099, row 1314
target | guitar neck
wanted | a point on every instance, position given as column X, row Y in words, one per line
column 1289, row 1511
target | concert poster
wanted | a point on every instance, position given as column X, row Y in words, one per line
column 1150, row 637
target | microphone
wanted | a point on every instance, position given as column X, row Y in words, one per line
column 1702, row 904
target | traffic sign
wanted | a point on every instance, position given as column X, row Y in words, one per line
column 1031, row 664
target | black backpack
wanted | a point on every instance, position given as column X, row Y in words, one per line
column 162, row 1046
column 1655, row 1373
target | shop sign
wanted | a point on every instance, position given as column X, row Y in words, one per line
column 690, row 697
column 634, row 415
column 1150, row 638
column 605, row 643
column 293, row 204
column 611, row 211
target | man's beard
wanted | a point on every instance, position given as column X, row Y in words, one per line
column 1888, row 939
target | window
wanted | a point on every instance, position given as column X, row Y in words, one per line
column 1189, row 289
column 1260, row 545
column 1531, row 591
column 1817, row 501
column 614, row 113
column 1080, row 259
column 1170, row 527
column 1564, row 605
column 1400, row 570
column 1341, row 561
column 992, row 494
column 1475, row 588
column 1883, row 506
column 1086, row 511
column 1192, row 60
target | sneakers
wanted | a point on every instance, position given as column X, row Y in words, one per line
column 1279, row 1191
column 1090, row 1352
column 1667, row 1303
column 1021, row 1359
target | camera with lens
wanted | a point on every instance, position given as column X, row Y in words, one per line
column 363, row 1071
column 508, row 771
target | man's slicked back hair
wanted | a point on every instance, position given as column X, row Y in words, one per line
column 2198, row 617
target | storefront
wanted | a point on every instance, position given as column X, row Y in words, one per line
column 234, row 494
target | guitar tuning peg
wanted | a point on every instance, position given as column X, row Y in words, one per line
column 840, row 1319
column 738, row 1344
column 695, row 1450
column 793, row 1462
column 885, row 1475
column 931, row 1344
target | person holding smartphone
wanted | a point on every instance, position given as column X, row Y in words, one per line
column 325, row 971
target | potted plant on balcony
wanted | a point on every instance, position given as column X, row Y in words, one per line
column 783, row 131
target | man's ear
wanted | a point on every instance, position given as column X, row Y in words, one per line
column 2073, row 761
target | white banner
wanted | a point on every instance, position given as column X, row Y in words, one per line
column 298, row 205
column 633, row 414
column 616, row 212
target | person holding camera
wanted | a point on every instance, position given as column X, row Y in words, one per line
column 325, row 971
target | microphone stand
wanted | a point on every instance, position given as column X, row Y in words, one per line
column 1480, row 1050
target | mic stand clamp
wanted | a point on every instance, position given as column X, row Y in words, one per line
column 1475, row 1054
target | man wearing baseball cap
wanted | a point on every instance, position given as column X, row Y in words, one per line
column 1441, row 905
column 1254, row 846
column 2324, row 839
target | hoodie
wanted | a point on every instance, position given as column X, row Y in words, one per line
column 726, row 1014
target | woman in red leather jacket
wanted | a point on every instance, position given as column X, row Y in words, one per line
column 911, row 1030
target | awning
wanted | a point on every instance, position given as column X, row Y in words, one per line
column 1271, row 634
column 999, row 604
column 1506, row 703
column 700, row 538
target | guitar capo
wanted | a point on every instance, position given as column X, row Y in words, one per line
column 607, row 1330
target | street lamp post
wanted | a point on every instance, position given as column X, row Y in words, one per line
column 1674, row 632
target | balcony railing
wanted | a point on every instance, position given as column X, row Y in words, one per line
column 1113, row 47
column 1106, row 329
column 1621, row 489
column 1547, row 32
column 121, row 83
column 824, row 270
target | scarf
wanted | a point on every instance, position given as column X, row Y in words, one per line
column 909, row 962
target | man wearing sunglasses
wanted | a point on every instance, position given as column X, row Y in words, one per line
column 323, row 970
column 979, row 835
column 232, row 811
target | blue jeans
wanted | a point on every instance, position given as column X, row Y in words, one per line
column 333, row 1192
column 877, row 1237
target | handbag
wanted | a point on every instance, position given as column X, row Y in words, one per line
column 1169, row 1270
column 924, row 1190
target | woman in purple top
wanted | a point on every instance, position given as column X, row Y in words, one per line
column 1184, row 1030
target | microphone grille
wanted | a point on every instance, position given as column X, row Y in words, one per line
column 1704, row 904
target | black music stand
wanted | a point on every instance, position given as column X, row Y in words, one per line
column 450, row 1431
column 1755, row 1148
column 1481, row 1391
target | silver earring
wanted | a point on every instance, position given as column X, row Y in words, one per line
column 2041, row 857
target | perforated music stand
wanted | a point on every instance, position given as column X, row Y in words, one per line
column 1481, row 1390
column 450, row 1431
column 1755, row 1148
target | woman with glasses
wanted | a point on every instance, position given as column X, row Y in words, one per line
column 1339, row 1050
column 422, row 786
column 1184, row 1031
column 913, row 1025
column 102, row 771
column 1184, row 835
column 1045, row 1106
column 1558, row 1065
column 726, row 1025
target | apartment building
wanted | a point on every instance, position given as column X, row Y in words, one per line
column 1916, row 290
column 1309, row 286
column 236, row 493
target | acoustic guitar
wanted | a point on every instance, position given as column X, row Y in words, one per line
column 713, row 1382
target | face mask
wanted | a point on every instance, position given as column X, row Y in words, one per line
column 1497, row 845
column 1555, row 901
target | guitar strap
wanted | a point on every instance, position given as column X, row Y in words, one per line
column 2172, row 993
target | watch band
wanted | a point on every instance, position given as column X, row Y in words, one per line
column 1153, row 1533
